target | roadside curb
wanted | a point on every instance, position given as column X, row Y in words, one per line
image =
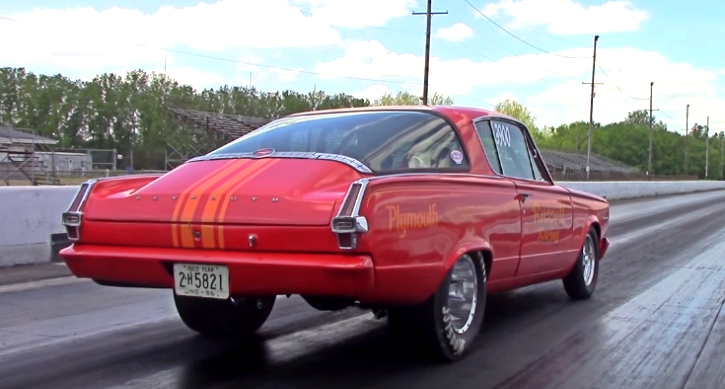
column 28, row 285
column 21, row 274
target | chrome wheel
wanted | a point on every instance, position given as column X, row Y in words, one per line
column 462, row 294
column 588, row 260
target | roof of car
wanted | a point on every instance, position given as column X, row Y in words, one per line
column 469, row 112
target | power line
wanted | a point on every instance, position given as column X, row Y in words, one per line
column 516, row 37
column 547, row 80
column 502, row 47
column 310, row 14
column 615, row 85
column 283, row 68
column 273, row 66
column 666, row 115
column 256, row 64
column 302, row 71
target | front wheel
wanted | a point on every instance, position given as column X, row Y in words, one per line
column 233, row 317
column 451, row 319
column 580, row 283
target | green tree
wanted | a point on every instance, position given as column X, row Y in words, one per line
column 407, row 98
column 130, row 113
column 517, row 111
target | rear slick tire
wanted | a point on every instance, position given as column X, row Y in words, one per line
column 235, row 317
column 581, row 282
column 451, row 319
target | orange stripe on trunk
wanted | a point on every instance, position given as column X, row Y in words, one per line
column 182, row 201
column 210, row 209
column 225, row 204
column 187, row 213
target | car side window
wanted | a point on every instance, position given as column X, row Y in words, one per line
column 511, row 149
column 483, row 129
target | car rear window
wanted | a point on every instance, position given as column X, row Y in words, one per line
column 382, row 140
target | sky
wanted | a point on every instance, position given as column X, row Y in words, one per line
column 537, row 52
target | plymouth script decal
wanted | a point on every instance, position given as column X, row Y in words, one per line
column 550, row 218
column 404, row 221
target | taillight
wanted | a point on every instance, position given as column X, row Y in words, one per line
column 73, row 217
column 348, row 223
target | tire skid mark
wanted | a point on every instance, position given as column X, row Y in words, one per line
column 651, row 341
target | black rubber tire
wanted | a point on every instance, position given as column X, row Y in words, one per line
column 233, row 318
column 431, row 320
column 574, row 283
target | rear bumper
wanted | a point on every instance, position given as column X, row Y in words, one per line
column 250, row 273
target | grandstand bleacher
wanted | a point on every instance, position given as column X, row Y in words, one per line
column 562, row 161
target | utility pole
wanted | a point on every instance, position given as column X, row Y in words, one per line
column 687, row 139
column 429, row 15
column 649, row 162
column 591, row 104
column 722, row 148
column 707, row 145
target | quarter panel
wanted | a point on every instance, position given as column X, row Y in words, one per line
column 417, row 223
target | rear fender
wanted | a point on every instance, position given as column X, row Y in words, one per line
column 472, row 244
column 131, row 183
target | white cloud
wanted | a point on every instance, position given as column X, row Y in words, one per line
column 564, row 98
column 264, row 74
column 285, row 75
column 627, row 89
column 503, row 97
column 563, row 17
column 372, row 60
column 354, row 14
column 87, row 39
column 456, row 33
column 372, row 92
column 194, row 77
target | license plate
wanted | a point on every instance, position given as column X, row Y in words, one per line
column 210, row 281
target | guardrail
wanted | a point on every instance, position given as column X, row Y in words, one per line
column 31, row 232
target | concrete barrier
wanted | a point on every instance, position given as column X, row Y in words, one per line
column 30, row 231
column 29, row 216
column 619, row 190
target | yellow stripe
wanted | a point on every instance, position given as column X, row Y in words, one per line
column 177, row 209
column 208, row 216
column 187, row 240
column 225, row 205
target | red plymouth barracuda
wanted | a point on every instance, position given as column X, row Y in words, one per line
column 416, row 213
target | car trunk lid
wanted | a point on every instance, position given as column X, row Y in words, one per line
column 267, row 191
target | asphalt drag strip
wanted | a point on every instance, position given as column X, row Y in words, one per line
column 655, row 321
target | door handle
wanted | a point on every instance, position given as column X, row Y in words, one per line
column 524, row 196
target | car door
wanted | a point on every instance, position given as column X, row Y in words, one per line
column 505, row 236
column 546, row 209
